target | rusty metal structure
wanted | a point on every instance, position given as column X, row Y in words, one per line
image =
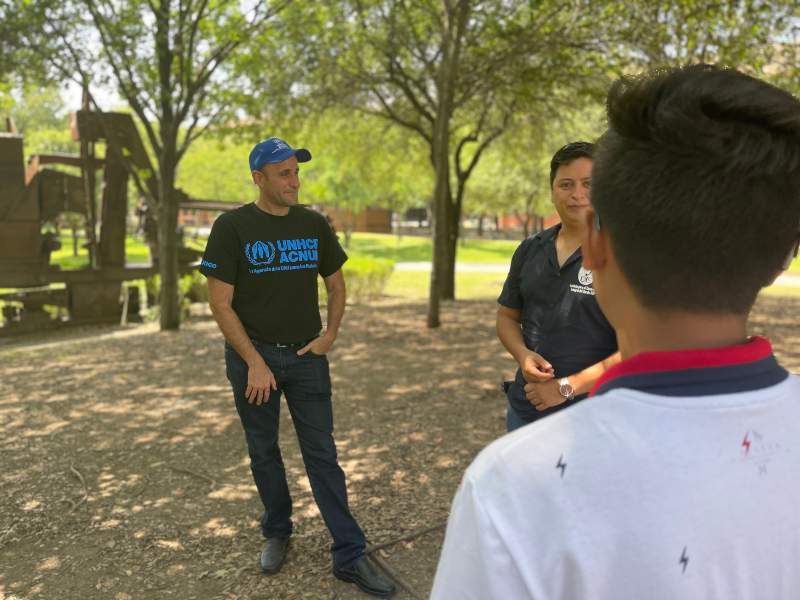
column 34, row 194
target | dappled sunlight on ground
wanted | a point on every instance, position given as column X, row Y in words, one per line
column 125, row 472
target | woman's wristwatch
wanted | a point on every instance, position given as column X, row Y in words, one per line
column 565, row 388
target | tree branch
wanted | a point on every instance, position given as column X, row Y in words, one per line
column 131, row 93
column 392, row 115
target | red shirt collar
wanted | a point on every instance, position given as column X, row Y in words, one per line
column 755, row 349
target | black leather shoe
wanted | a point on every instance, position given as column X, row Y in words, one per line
column 273, row 554
column 367, row 578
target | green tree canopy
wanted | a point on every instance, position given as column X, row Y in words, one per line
column 171, row 62
column 513, row 178
column 362, row 161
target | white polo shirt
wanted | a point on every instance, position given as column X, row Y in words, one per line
column 679, row 479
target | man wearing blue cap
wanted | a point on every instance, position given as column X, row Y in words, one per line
column 262, row 261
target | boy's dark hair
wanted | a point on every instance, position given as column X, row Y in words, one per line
column 697, row 181
column 567, row 153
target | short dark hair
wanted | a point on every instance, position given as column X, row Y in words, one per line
column 697, row 181
column 567, row 153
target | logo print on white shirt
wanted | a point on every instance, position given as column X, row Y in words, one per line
column 585, row 276
column 684, row 559
column 561, row 465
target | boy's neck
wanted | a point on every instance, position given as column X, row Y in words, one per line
column 650, row 331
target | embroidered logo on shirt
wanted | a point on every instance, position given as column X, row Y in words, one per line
column 684, row 559
column 208, row 264
column 585, row 280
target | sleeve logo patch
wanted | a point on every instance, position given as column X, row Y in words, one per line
column 208, row 264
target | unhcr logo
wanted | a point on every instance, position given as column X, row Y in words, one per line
column 260, row 253
column 289, row 255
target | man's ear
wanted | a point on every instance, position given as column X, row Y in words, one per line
column 257, row 176
column 593, row 247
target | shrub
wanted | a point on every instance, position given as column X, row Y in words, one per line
column 365, row 278
column 191, row 288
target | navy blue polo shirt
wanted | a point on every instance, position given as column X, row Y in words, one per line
column 561, row 319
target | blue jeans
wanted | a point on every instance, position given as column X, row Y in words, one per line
column 305, row 381
column 513, row 420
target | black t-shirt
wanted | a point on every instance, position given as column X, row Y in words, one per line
column 272, row 262
column 561, row 319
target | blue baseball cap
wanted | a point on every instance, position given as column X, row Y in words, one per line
column 275, row 150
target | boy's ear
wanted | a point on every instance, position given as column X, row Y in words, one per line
column 593, row 247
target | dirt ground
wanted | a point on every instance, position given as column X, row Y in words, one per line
column 124, row 472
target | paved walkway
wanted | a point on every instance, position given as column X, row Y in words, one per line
column 787, row 279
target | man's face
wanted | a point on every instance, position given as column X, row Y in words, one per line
column 280, row 182
column 571, row 191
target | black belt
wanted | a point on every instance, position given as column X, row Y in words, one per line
column 287, row 345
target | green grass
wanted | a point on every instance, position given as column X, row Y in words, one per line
column 795, row 266
column 487, row 286
column 412, row 285
column 363, row 245
column 418, row 249
column 781, row 290
column 136, row 251
column 469, row 286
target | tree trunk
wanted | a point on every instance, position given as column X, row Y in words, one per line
column 444, row 236
column 168, row 242
column 441, row 201
column 454, row 208
column 480, row 225
column 529, row 216
column 453, row 220
column 348, row 234
column 168, row 162
column 525, row 220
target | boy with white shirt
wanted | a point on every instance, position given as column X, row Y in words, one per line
column 680, row 478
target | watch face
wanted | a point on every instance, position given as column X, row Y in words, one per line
column 565, row 389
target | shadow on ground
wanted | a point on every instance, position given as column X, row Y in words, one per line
column 125, row 473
